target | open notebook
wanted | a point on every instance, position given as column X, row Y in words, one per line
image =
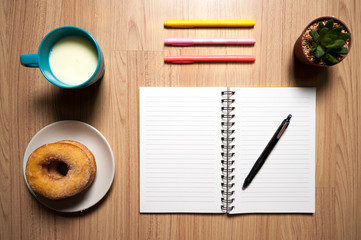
column 190, row 161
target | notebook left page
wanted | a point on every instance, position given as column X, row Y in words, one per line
column 180, row 149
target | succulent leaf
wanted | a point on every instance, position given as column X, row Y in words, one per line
column 331, row 58
column 329, row 24
column 336, row 44
column 320, row 51
column 323, row 32
column 314, row 35
column 328, row 41
column 341, row 50
column 336, row 30
column 344, row 36
column 321, row 25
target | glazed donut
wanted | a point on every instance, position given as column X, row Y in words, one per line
column 45, row 176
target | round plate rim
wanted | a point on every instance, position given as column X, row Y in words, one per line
column 46, row 128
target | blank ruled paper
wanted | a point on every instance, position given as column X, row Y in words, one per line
column 180, row 149
column 286, row 182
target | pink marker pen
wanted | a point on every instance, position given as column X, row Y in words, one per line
column 216, row 58
column 209, row 41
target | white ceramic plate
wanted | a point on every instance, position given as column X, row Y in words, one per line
column 92, row 139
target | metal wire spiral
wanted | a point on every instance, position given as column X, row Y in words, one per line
column 227, row 154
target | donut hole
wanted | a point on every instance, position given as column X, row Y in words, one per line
column 57, row 169
column 62, row 168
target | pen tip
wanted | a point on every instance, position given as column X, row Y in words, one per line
column 289, row 116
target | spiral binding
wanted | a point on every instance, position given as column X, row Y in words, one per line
column 227, row 154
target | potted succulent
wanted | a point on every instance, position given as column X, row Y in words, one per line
column 324, row 42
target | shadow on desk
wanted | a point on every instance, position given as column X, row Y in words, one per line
column 309, row 76
column 70, row 104
column 78, row 198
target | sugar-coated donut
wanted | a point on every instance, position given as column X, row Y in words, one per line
column 90, row 155
column 57, row 170
column 44, row 180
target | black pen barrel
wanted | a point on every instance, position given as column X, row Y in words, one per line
column 266, row 152
column 268, row 149
column 256, row 167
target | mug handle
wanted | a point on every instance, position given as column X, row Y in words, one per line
column 29, row 60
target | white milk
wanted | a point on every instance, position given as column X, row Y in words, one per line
column 73, row 60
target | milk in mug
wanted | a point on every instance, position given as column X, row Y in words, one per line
column 73, row 60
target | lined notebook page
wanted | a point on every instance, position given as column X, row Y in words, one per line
column 180, row 147
column 286, row 182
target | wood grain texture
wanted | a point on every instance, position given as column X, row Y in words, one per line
column 131, row 35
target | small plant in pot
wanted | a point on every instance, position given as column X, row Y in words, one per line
column 325, row 41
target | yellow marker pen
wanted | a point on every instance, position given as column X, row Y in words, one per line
column 208, row 23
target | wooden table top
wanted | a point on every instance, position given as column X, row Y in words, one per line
column 131, row 35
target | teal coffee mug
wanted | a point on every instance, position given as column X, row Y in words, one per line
column 68, row 57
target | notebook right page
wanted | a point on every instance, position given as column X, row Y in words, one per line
column 286, row 182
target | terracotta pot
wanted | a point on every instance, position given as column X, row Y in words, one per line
column 300, row 54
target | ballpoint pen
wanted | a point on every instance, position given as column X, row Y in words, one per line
column 262, row 158
column 216, row 58
column 208, row 41
column 208, row 23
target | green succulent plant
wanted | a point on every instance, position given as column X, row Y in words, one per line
column 329, row 42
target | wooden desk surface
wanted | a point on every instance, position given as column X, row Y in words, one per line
column 131, row 34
